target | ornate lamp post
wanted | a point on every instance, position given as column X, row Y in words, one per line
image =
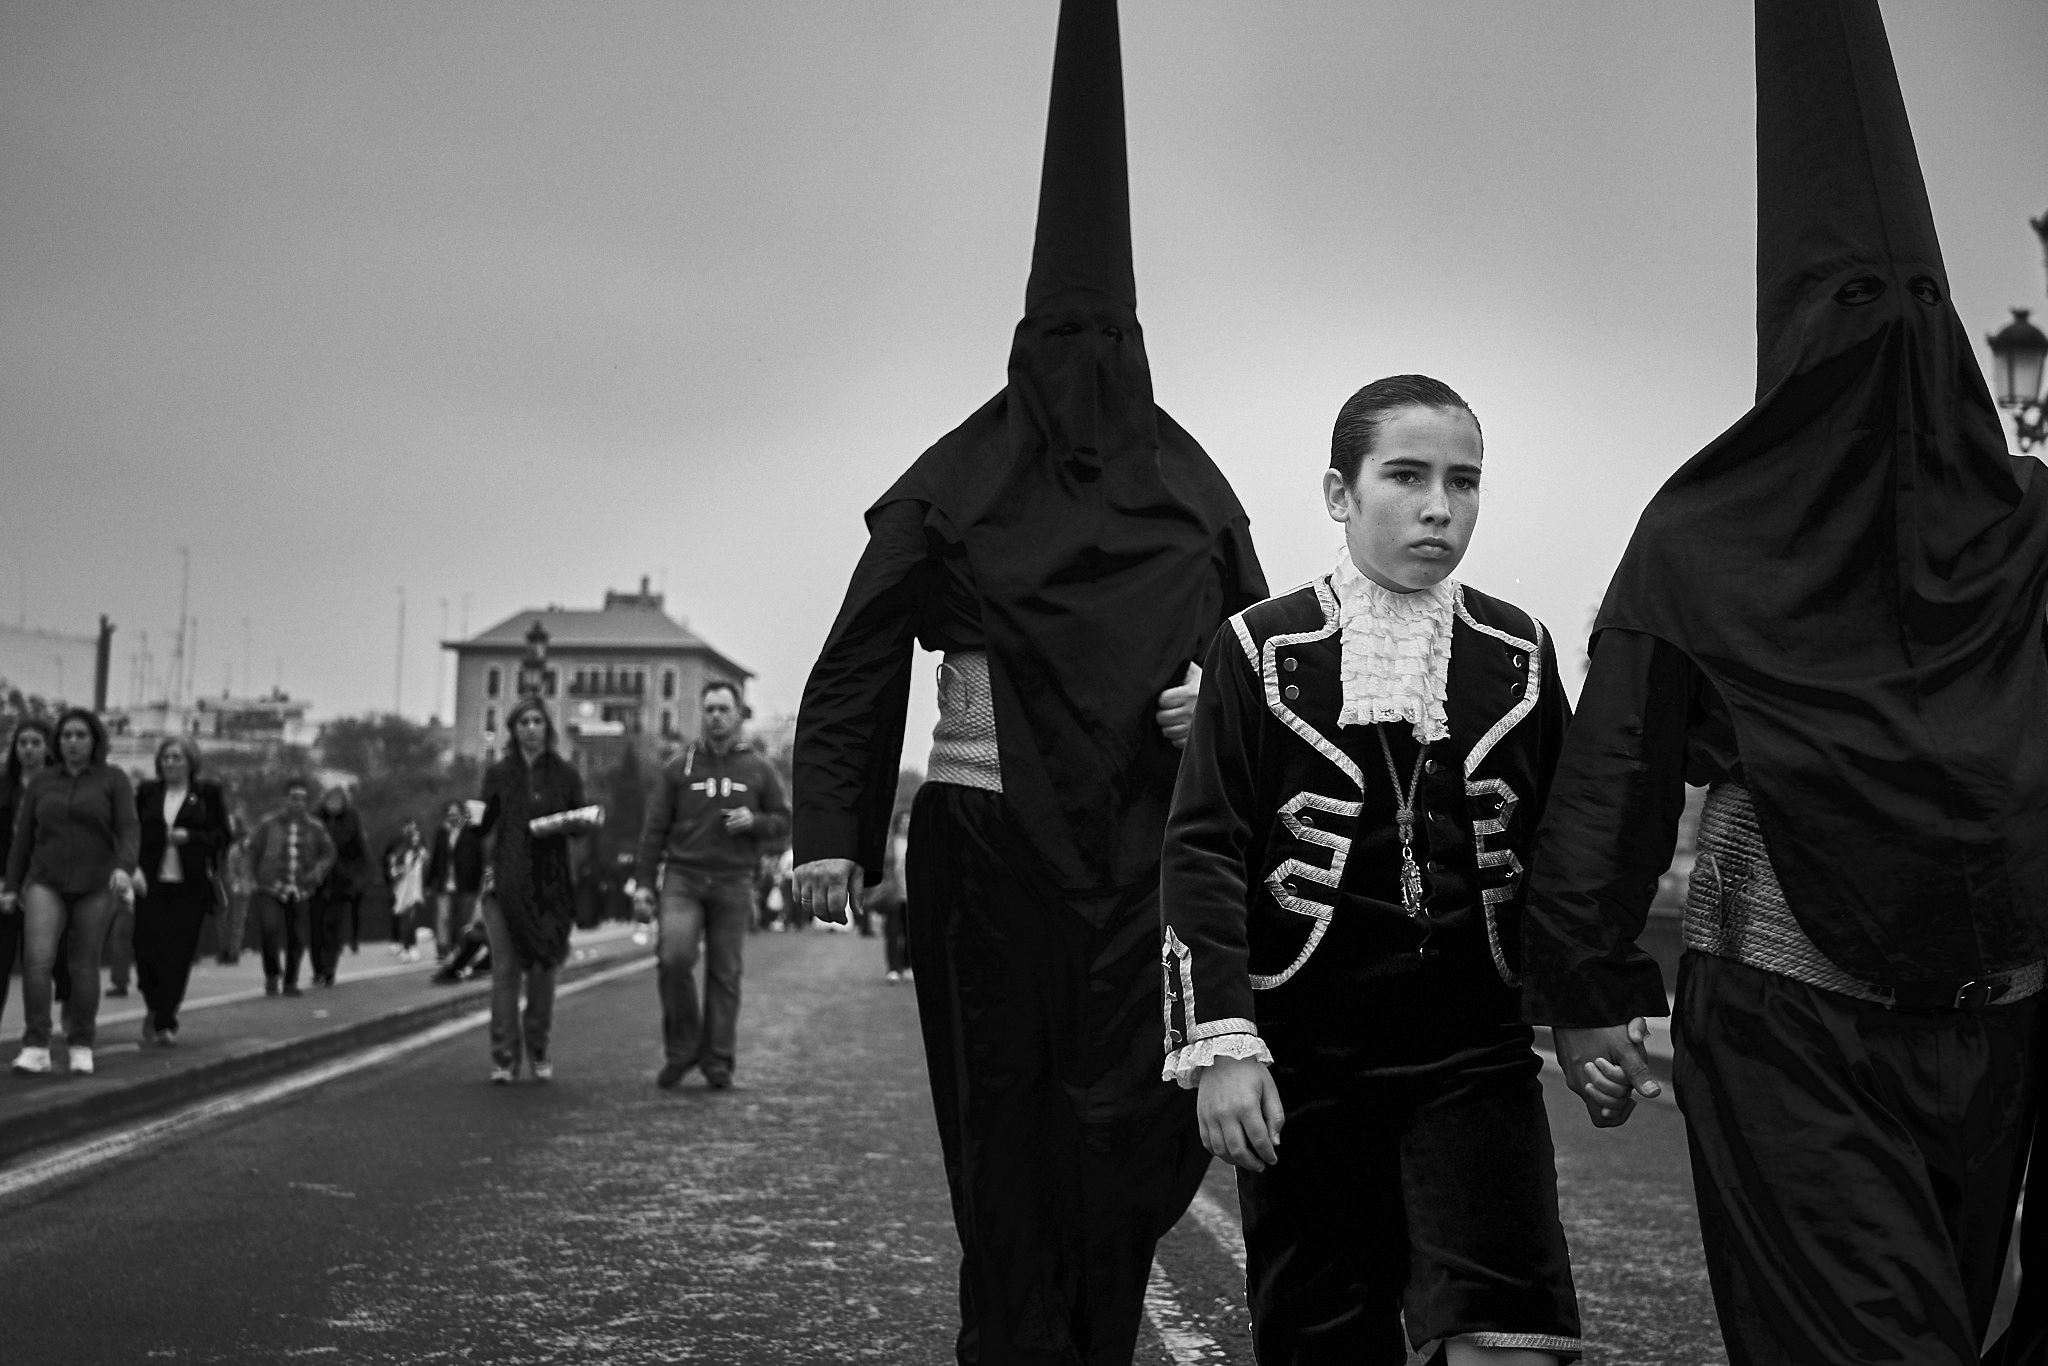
column 2017, row 352
column 533, row 670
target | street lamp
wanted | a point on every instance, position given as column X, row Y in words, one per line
column 533, row 670
column 2017, row 352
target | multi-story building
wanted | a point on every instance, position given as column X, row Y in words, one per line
column 625, row 671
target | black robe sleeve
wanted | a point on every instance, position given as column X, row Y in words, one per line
column 849, row 734
column 1205, row 864
column 1648, row 722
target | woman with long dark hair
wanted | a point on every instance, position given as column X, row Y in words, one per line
column 529, row 900
column 184, row 821
column 74, row 851
column 32, row 747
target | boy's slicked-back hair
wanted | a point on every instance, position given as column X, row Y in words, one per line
column 1359, row 420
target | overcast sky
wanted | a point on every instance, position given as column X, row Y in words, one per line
column 510, row 303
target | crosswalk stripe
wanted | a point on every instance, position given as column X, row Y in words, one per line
column 1220, row 1224
column 1187, row 1344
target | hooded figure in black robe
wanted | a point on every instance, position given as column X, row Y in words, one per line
column 1076, row 549
column 1833, row 616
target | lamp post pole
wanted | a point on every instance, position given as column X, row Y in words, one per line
column 533, row 669
column 2017, row 352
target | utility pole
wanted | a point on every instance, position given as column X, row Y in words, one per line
column 248, row 680
column 441, row 661
column 190, row 686
column 176, row 681
column 398, row 682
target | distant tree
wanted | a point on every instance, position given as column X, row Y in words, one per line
column 256, row 781
column 403, row 770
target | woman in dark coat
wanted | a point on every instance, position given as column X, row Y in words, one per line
column 184, row 821
column 29, row 750
column 73, row 855
column 529, row 900
column 338, row 907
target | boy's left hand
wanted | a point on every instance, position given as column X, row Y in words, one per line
column 1176, row 714
column 1238, row 1112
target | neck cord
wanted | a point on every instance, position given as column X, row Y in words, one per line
column 1404, row 820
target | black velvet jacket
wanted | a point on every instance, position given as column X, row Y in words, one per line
column 1280, row 882
column 203, row 818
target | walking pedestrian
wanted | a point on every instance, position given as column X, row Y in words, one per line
column 1072, row 549
column 529, row 896
column 289, row 856
column 1341, row 891
column 32, row 746
column 714, row 806
column 890, row 901
column 234, row 873
column 455, row 870
column 184, row 825
column 73, row 856
column 337, row 911
column 405, row 868
column 1831, row 616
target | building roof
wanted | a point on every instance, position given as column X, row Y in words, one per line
column 638, row 627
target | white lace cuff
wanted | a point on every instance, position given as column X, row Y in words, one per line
column 1184, row 1065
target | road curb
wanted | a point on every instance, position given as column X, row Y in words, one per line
column 25, row 1134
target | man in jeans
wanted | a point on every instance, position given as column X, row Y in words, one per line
column 717, row 803
column 289, row 856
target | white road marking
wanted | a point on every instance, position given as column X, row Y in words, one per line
column 1220, row 1224
column 70, row 1162
column 1185, row 1343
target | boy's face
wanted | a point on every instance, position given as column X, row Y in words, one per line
column 1409, row 514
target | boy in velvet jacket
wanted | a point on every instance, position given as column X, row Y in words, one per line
column 1342, row 888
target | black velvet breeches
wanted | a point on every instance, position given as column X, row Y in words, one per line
column 1066, row 1155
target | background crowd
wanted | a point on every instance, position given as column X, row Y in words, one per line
column 117, row 882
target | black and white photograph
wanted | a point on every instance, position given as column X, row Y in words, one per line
column 1024, row 682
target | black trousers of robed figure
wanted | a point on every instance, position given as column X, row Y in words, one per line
column 1066, row 1156
column 1856, row 1167
column 167, row 925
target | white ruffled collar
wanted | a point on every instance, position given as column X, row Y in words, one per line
column 1396, row 651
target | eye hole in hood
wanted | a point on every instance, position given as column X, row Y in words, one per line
column 1924, row 288
column 1864, row 289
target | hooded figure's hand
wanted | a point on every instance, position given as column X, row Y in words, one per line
column 1176, row 714
column 827, row 887
column 1607, row 1068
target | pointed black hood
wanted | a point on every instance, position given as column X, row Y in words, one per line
column 1858, row 565
column 1083, row 245
column 1091, row 519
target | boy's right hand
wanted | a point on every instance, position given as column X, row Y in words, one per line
column 1238, row 1111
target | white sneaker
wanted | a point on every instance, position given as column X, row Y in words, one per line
column 81, row 1061
column 543, row 1071
column 35, row 1060
column 502, row 1076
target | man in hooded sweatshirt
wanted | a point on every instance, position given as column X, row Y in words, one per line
column 1832, row 617
column 1071, row 551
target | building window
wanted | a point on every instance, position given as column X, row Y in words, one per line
column 668, row 689
column 493, row 681
column 554, row 676
column 490, row 718
column 668, row 724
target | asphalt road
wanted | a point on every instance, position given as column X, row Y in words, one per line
column 412, row 1213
